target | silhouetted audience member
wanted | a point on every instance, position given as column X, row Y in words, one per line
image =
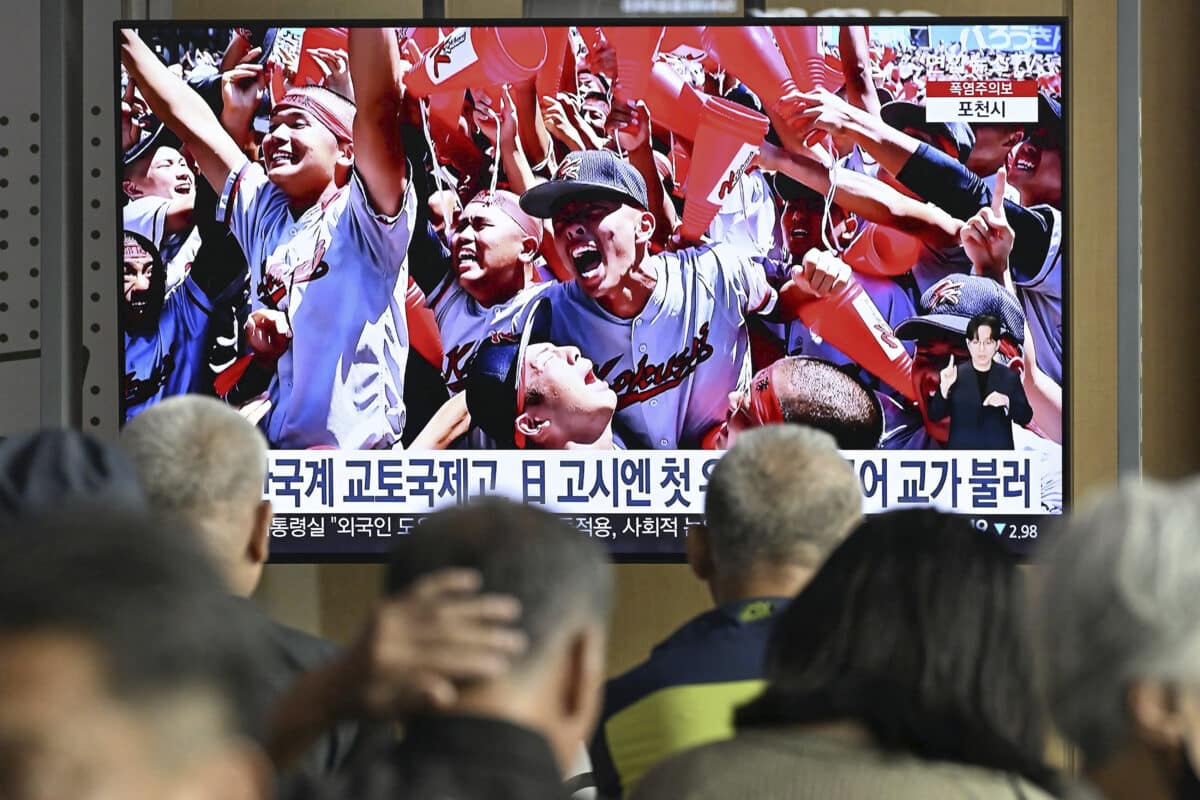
column 515, row 735
column 1120, row 630
column 901, row 670
column 54, row 469
column 201, row 462
column 776, row 504
column 124, row 673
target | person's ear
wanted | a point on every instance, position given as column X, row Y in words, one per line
column 645, row 228
column 699, row 552
column 1155, row 714
column 259, row 546
column 1013, row 139
column 584, row 675
column 345, row 156
column 131, row 189
column 531, row 427
column 529, row 249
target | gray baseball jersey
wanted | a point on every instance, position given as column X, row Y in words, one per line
column 334, row 272
column 675, row 363
column 1041, row 296
column 464, row 324
column 147, row 216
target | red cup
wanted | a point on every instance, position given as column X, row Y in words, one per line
column 478, row 57
column 850, row 321
column 802, row 53
column 445, row 110
column 549, row 77
column 882, row 252
column 673, row 104
column 635, row 56
column 727, row 142
column 752, row 57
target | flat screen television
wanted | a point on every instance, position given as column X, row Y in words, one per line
column 572, row 264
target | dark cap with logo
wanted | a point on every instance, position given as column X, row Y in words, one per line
column 950, row 304
column 495, row 396
column 583, row 175
column 901, row 114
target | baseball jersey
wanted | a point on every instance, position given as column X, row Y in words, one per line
column 674, row 364
column 747, row 215
column 334, row 271
column 464, row 324
column 147, row 216
column 904, row 429
column 171, row 359
column 1040, row 289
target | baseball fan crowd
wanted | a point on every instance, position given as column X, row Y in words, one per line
column 622, row 237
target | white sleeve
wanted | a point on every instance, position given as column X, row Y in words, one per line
column 147, row 216
column 245, row 197
column 747, row 275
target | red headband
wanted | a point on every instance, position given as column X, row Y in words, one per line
column 764, row 403
column 510, row 204
column 339, row 122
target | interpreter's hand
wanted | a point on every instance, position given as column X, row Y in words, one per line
column 949, row 375
column 418, row 648
column 996, row 400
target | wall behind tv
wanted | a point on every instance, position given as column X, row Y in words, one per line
column 37, row 297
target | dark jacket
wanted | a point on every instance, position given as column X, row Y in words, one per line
column 974, row 426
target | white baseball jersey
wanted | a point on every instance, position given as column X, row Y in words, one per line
column 1040, row 291
column 147, row 216
column 335, row 272
column 464, row 324
column 747, row 215
column 675, row 363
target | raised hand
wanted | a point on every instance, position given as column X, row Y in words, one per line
column 268, row 333
column 987, row 238
column 949, row 375
column 631, row 125
column 821, row 273
column 335, row 69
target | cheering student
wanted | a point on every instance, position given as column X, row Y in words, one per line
column 981, row 398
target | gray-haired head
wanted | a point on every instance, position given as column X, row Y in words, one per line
column 561, row 577
column 781, row 495
column 1121, row 602
column 201, row 461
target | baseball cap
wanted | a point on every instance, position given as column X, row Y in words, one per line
column 153, row 136
column 950, row 304
column 587, row 174
column 55, row 469
column 788, row 188
column 1049, row 130
column 901, row 114
column 495, row 396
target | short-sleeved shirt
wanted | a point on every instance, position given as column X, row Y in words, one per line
column 334, row 271
column 674, row 364
column 147, row 216
column 169, row 360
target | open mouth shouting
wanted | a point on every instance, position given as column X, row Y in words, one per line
column 586, row 259
column 1026, row 158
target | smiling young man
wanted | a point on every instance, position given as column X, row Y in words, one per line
column 325, row 223
column 667, row 332
column 162, row 198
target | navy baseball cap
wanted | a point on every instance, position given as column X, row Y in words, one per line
column 54, row 470
column 901, row 114
column 495, row 396
column 950, row 304
column 587, row 174
column 788, row 188
column 1049, row 130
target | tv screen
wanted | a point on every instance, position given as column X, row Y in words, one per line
column 571, row 265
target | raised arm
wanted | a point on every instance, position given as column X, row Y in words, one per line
column 632, row 129
column 181, row 110
column 871, row 199
column 855, row 51
column 377, row 76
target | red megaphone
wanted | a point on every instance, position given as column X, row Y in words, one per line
column 591, row 37
column 478, row 57
column 682, row 36
column 727, row 141
column 293, row 64
column 445, row 110
column 752, row 57
column 549, row 77
column 424, row 38
column 850, row 321
column 681, row 161
column 673, row 104
column 882, row 252
column 802, row 53
column 635, row 56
